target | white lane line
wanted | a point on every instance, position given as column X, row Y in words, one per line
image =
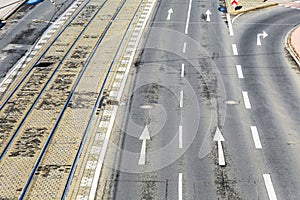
column 255, row 137
column 269, row 186
column 234, row 50
column 188, row 18
column 182, row 70
column 180, row 137
column 229, row 25
column 236, row 17
column 112, row 119
column 181, row 99
column 239, row 71
column 246, row 100
column 180, row 186
column 184, row 47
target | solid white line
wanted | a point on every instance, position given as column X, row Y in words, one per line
column 269, row 186
column 188, row 18
column 112, row 119
column 181, row 99
column 184, row 47
column 239, row 71
column 229, row 25
column 236, row 17
column 246, row 100
column 255, row 137
column 180, row 137
column 234, row 50
column 180, row 186
column 182, row 70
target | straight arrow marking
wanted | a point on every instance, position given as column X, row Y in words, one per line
column 219, row 138
column 144, row 136
column 142, row 159
column 208, row 13
column 221, row 154
column 170, row 11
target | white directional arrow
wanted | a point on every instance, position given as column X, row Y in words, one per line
column 170, row 11
column 208, row 13
column 144, row 136
column 264, row 35
column 219, row 138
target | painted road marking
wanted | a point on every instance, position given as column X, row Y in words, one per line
column 181, row 99
column 236, row 17
column 219, row 138
column 188, row 18
column 246, row 100
column 239, row 71
column 234, row 50
column 184, row 47
column 182, row 70
column 144, row 137
column 180, row 137
column 263, row 35
column 229, row 24
column 255, row 137
column 269, row 186
column 170, row 11
column 180, row 186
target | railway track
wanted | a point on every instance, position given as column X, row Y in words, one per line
column 43, row 121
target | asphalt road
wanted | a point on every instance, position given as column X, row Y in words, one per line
column 23, row 28
column 214, row 95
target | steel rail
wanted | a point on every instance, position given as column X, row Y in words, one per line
column 42, row 153
column 42, row 55
column 47, row 83
column 96, row 105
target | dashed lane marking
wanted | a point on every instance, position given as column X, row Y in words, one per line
column 182, row 70
column 246, row 100
column 269, row 187
column 234, row 50
column 181, row 99
column 255, row 137
column 239, row 71
column 184, row 47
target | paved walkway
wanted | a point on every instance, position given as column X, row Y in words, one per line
column 7, row 7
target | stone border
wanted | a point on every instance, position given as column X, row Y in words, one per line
column 290, row 47
column 229, row 10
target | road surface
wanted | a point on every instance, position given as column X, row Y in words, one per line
column 193, row 75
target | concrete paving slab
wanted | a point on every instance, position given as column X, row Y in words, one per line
column 7, row 7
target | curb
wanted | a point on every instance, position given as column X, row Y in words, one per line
column 290, row 47
column 247, row 10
